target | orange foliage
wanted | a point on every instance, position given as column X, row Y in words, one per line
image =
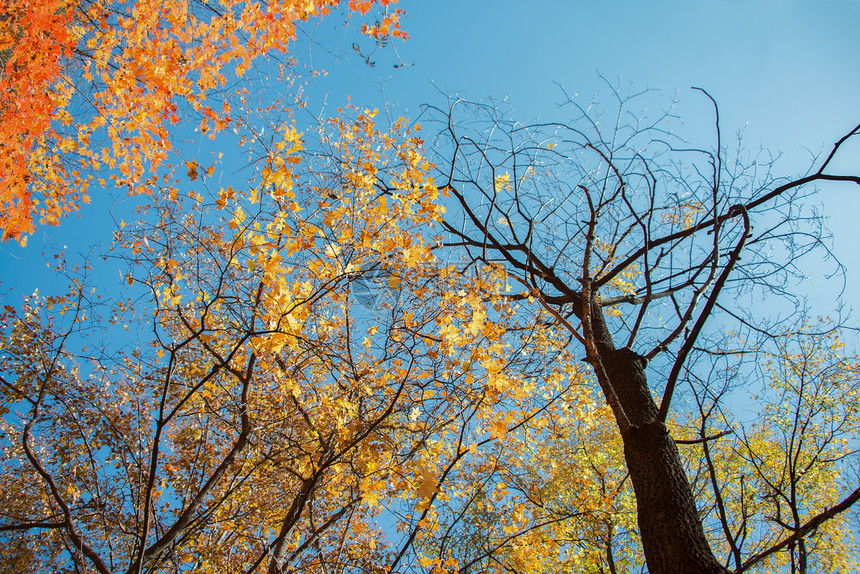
column 35, row 38
column 137, row 66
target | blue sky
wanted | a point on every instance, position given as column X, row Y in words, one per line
column 784, row 71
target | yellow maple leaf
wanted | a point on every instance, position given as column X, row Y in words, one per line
column 427, row 486
column 498, row 430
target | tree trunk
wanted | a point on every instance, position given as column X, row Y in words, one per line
column 672, row 535
column 669, row 524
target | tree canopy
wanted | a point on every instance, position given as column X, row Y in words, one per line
column 470, row 345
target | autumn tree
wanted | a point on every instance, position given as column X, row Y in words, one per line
column 640, row 246
column 233, row 407
column 779, row 484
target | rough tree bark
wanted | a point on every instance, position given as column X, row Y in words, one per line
column 670, row 527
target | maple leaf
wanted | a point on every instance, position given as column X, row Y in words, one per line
column 427, row 483
column 192, row 169
column 498, row 430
